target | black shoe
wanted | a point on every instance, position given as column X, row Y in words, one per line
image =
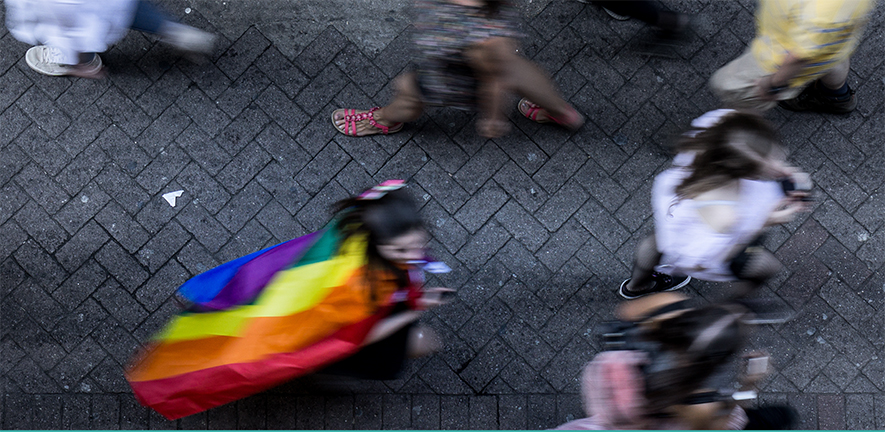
column 660, row 283
column 811, row 99
column 775, row 417
column 673, row 22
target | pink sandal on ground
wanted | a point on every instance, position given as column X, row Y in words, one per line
column 351, row 118
column 531, row 111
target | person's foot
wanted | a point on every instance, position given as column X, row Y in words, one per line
column 352, row 122
column 812, row 99
column 492, row 128
column 423, row 341
column 673, row 22
column 765, row 311
column 187, row 38
column 48, row 61
column 571, row 119
column 660, row 283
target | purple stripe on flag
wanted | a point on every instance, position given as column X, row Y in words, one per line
column 254, row 275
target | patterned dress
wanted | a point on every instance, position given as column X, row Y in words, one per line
column 444, row 31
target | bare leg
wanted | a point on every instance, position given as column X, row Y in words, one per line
column 837, row 76
column 524, row 77
column 422, row 341
column 645, row 258
column 492, row 91
column 761, row 266
column 406, row 106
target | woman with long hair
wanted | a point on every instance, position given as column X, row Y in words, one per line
column 729, row 182
column 341, row 300
column 671, row 366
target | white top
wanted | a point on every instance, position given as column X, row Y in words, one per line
column 71, row 26
column 691, row 247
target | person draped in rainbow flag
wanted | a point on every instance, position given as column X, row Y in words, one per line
column 343, row 300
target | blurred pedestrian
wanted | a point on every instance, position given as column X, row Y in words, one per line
column 650, row 12
column 800, row 57
column 69, row 34
column 467, row 57
column 670, row 366
column 345, row 298
column 729, row 182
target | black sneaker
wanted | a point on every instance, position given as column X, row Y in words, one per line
column 660, row 283
column 811, row 99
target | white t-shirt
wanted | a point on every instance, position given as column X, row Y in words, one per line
column 689, row 246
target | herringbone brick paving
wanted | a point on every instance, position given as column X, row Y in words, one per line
column 539, row 226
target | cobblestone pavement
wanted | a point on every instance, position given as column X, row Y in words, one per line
column 539, row 226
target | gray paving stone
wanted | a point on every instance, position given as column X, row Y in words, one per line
column 205, row 190
column 251, row 238
column 242, row 53
column 482, row 206
column 442, row 381
column 121, row 265
column 80, row 285
column 156, row 61
column 315, row 213
column 315, row 95
column 542, row 411
column 43, row 112
column 308, row 409
column 487, row 364
column 454, row 412
column 196, row 258
column 123, row 112
column 532, row 265
column 128, row 77
column 122, row 227
column 286, row 75
column 163, row 92
column 122, row 188
column 848, row 267
column 280, row 412
column 49, row 234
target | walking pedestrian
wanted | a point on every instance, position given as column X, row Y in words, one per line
column 799, row 58
column 346, row 298
column 69, row 34
column 667, row 366
column 729, row 182
column 467, row 57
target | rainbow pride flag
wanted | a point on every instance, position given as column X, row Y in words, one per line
column 259, row 321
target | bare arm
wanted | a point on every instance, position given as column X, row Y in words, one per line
column 432, row 297
column 788, row 70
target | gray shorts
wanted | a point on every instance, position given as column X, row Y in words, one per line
column 735, row 85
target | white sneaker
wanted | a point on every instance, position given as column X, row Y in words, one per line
column 187, row 38
column 46, row 60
